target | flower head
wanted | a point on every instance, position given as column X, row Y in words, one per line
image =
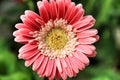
column 57, row 42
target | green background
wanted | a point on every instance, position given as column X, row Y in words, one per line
column 105, row 66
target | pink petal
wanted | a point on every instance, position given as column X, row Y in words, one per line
column 67, row 4
column 49, row 68
column 22, row 39
column 27, row 47
column 51, row 77
column 79, row 14
column 38, row 62
column 63, row 74
column 83, row 58
column 27, row 22
column 29, row 54
column 84, row 48
column 69, row 68
column 78, row 62
column 69, row 12
column 53, row 9
column 43, row 66
column 96, row 37
column 43, row 12
column 23, row 32
column 58, row 64
column 83, row 22
column 88, row 40
column 32, row 17
column 87, row 33
column 61, row 8
column 23, row 26
column 90, row 25
column 93, row 54
column 92, row 47
column 63, row 62
column 30, row 61
column 73, row 65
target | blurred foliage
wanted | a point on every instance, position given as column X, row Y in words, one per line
column 106, row 65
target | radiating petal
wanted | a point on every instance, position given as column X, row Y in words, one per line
column 53, row 8
column 69, row 68
column 73, row 65
column 23, row 32
column 61, row 8
column 81, row 57
column 88, row 40
column 27, row 47
column 69, row 11
column 43, row 11
column 49, row 68
column 78, row 14
column 78, row 62
column 30, row 61
column 58, row 64
column 51, row 77
column 87, row 33
column 22, row 39
column 42, row 67
column 84, row 48
column 38, row 62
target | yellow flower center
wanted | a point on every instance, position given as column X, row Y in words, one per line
column 56, row 39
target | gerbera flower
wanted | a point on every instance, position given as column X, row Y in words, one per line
column 57, row 42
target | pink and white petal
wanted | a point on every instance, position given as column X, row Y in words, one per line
column 67, row 4
column 23, row 26
column 73, row 65
column 63, row 63
column 27, row 47
column 84, row 49
column 38, row 62
column 22, row 39
column 96, row 37
column 32, row 17
column 49, row 68
column 53, row 8
column 92, row 55
column 58, row 64
column 69, row 68
column 92, row 47
column 69, row 11
column 43, row 11
column 28, row 23
column 87, row 33
column 29, row 54
column 83, row 22
column 61, row 8
column 79, row 14
column 90, row 25
column 78, row 62
column 88, row 40
column 63, row 74
column 48, row 7
column 22, row 32
column 52, row 75
column 42, row 67
column 31, row 60
column 83, row 58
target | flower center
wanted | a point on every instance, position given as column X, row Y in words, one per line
column 56, row 39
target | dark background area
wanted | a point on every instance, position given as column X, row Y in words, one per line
column 105, row 66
